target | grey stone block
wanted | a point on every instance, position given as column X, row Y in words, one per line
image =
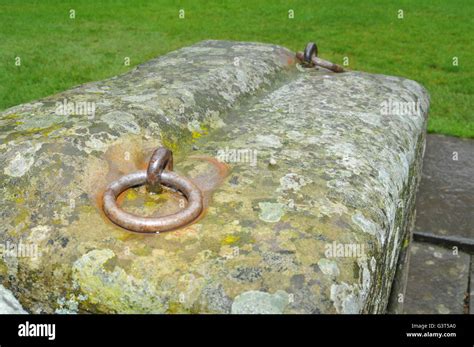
column 319, row 217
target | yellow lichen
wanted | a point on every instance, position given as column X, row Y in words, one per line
column 131, row 194
column 169, row 143
column 150, row 204
column 230, row 239
column 11, row 116
column 19, row 200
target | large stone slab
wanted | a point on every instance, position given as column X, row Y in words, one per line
column 307, row 214
column 438, row 280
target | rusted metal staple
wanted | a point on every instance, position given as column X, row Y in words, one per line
column 310, row 59
column 161, row 159
column 158, row 173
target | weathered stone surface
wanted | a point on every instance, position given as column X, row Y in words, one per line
column 319, row 167
column 400, row 281
column 255, row 302
column 8, row 303
column 438, row 280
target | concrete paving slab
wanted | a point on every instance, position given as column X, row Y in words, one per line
column 437, row 280
column 445, row 198
column 471, row 287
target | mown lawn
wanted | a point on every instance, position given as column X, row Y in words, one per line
column 58, row 52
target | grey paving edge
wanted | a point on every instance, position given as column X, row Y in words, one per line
column 437, row 280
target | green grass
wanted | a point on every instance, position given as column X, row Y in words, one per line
column 58, row 52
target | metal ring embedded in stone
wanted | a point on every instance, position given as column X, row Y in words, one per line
column 148, row 224
column 162, row 158
column 310, row 51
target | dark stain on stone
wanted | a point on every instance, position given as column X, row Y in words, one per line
column 247, row 274
column 356, row 270
column 297, row 281
column 286, row 252
column 282, row 226
column 64, row 241
column 246, row 223
column 234, row 180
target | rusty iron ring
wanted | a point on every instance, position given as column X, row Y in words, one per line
column 154, row 177
column 309, row 58
column 147, row 224
column 161, row 159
